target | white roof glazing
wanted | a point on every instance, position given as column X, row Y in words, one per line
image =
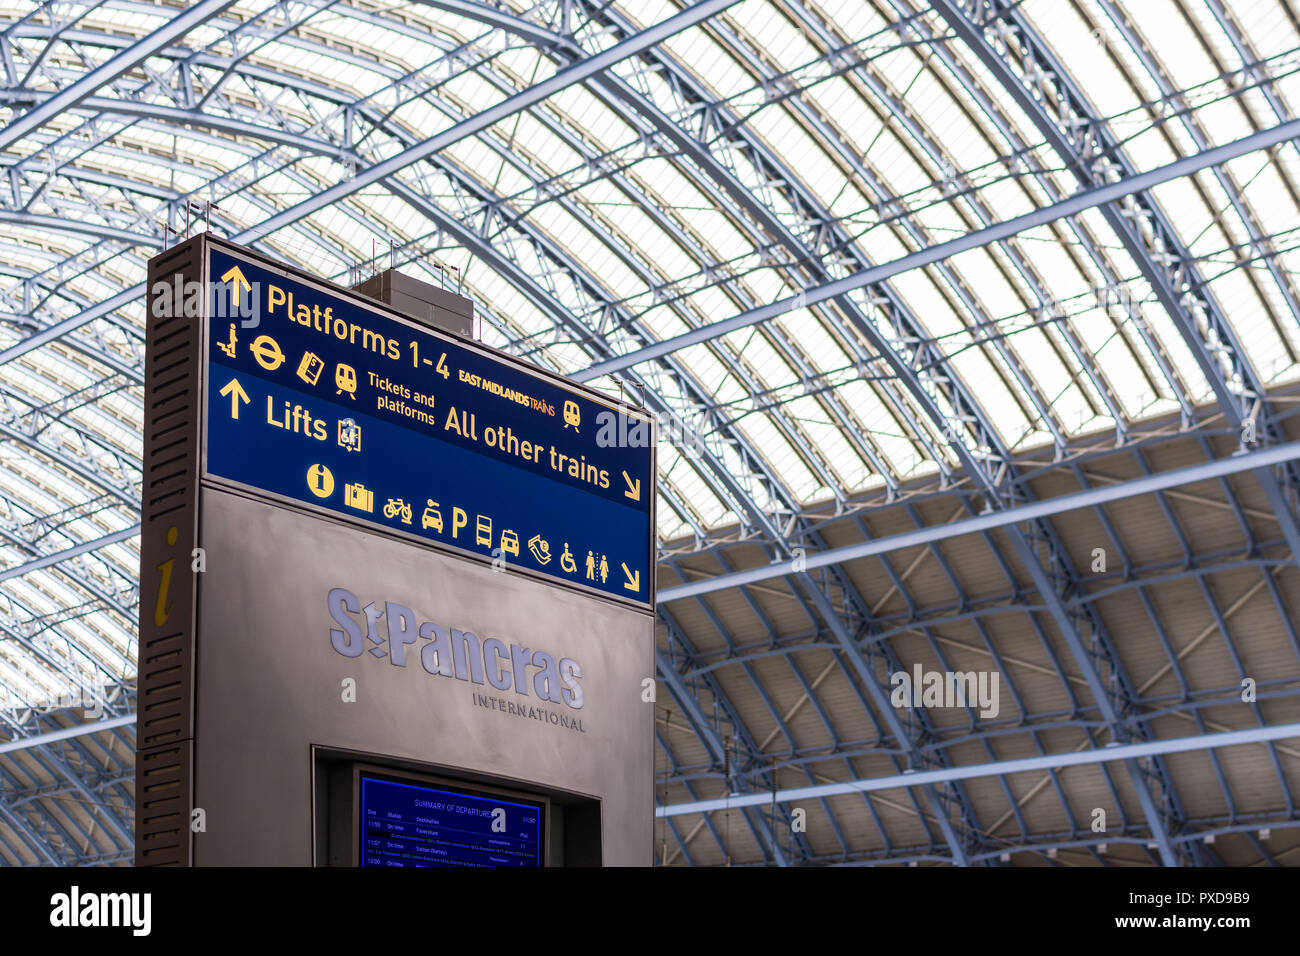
column 809, row 141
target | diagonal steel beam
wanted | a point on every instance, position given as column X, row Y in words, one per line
column 1081, row 201
column 1104, row 698
column 32, row 840
column 885, row 708
column 522, row 100
column 561, row 80
column 708, row 735
column 68, row 97
column 45, row 560
column 1124, row 752
column 76, row 730
column 1247, row 461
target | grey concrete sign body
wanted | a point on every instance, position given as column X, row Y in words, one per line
column 273, row 685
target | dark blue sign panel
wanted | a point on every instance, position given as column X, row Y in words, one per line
column 316, row 397
column 407, row 825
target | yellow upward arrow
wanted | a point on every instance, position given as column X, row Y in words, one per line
column 237, row 395
column 235, row 276
column 633, row 488
column 633, row 582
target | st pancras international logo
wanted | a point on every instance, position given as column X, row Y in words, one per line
column 524, row 672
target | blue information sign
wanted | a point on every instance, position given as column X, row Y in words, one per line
column 316, row 396
column 407, row 825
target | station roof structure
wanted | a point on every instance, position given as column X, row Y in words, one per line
column 885, row 269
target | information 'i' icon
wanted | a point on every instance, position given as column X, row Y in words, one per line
column 320, row 481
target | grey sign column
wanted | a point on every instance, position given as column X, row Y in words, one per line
column 365, row 537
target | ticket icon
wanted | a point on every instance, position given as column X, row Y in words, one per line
column 310, row 367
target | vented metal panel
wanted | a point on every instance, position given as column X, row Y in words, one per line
column 165, row 722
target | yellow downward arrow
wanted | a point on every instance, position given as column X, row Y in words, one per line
column 633, row 582
column 235, row 276
column 633, row 488
column 237, row 395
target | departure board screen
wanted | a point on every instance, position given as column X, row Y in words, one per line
column 405, row 824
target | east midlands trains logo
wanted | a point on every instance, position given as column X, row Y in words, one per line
column 451, row 652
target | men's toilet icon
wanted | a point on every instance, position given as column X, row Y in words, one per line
column 566, row 559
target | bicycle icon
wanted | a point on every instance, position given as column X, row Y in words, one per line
column 395, row 507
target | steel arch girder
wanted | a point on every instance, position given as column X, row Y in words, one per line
column 540, row 297
column 973, row 33
column 1039, row 578
column 98, row 230
column 80, row 468
column 708, row 736
column 702, row 156
column 766, row 219
column 544, row 302
column 908, row 375
column 68, row 98
column 178, row 116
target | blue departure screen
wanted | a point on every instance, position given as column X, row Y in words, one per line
column 407, row 825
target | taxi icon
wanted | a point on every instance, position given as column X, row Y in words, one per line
column 432, row 517
column 510, row 542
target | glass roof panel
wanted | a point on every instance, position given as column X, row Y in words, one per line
column 645, row 214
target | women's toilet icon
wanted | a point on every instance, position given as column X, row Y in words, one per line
column 566, row 559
